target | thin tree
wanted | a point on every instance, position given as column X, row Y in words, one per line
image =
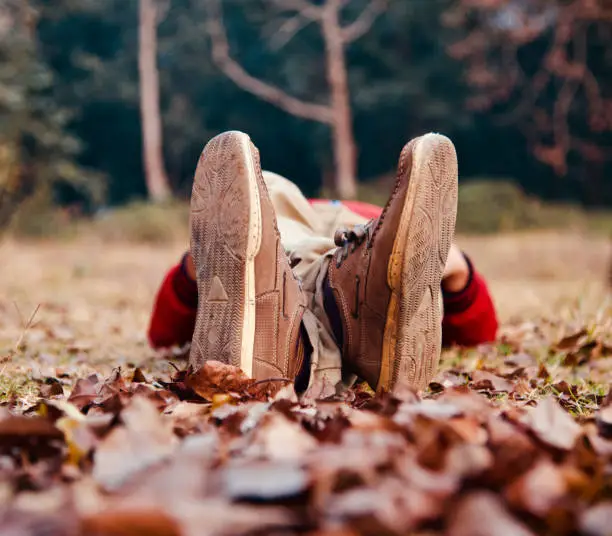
column 336, row 112
column 155, row 172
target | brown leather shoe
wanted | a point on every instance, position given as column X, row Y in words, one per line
column 385, row 276
column 250, row 304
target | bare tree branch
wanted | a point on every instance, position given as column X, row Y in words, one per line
column 364, row 22
column 303, row 7
column 288, row 29
column 550, row 127
column 235, row 72
column 163, row 6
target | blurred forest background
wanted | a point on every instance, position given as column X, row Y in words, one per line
column 106, row 102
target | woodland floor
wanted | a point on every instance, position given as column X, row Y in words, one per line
column 511, row 438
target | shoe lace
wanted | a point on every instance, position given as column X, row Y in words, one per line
column 348, row 240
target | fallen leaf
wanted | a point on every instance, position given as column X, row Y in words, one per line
column 150, row 522
column 15, row 429
column 217, row 378
column 567, row 389
column 388, row 508
column 603, row 418
column 20, row 523
column 581, row 355
column 486, row 381
column 431, row 409
column 84, row 393
column 570, row 341
column 483, row 514
column 538, row 490
column 597, row 519
column 264, row 481
column 278, row 438
column 188, row 416
column 468, row 429
column 601, row 445
column 51, row 389
column 552, row 425
column 216, row 516
column 513, row 450
column 138, row 376
column 543, row 373
column 466, row 401
column 145, row 439
column 521, row 360
column 468, row 461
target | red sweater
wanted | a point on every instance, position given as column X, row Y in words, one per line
column 469, row 315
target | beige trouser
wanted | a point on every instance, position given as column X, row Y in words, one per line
column 307, row 235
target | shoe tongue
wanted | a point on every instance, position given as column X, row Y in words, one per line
column 333, row 313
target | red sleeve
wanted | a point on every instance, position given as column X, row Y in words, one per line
column 366, row 210
column 174, row 311
column 469, row 315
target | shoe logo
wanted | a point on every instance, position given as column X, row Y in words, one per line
column 217, row 293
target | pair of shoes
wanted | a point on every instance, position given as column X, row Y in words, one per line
column 383, row 280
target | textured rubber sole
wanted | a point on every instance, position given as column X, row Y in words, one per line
column 226, row 232
column 413, row 330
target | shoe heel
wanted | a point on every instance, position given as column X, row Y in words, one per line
column 225, row 238
column 430, row 234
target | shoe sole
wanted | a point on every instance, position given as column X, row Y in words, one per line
column 226, row 234
column 413, row 330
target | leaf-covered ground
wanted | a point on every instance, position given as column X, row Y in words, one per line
column 99, row 436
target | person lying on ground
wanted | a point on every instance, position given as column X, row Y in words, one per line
column 318, row 291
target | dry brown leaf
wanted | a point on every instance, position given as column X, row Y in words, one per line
column 264, row 481
column 278, row 438
column 27, row 523
column 138, row 376
column 15, row 429
column 601, row 445
column 483, row 514
column 149, row 522
column 521, row 360
column 388, row 508
column 468, row 429
column 51, row 388
column 597, row 520
column 468, row 461
column 144, row 440
column 188, row 416
column 430, row 409
column 552, row 425
column 604, row 422
column 567, row 389
column 486, row 381
column 84, row 393
column 538, row 490
column 571, row 341
column 513, row 451
column 217, row 378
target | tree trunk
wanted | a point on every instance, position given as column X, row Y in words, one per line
column 155, row 173
column 342, row 124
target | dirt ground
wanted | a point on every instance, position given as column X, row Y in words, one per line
column 83, row 306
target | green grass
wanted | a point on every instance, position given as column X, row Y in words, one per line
column 16, row 387
column 485, row 207
column 137, row 222
column 494, row 206
column 142, row 222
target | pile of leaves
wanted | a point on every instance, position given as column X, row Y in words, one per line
column 215, row 453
